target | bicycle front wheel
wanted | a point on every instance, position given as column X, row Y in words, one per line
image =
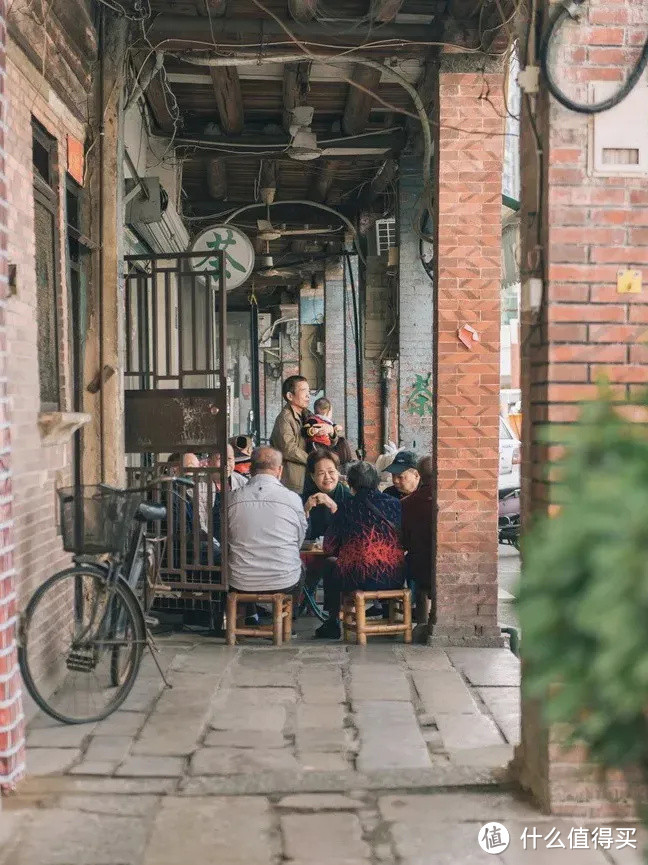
column 74, row 626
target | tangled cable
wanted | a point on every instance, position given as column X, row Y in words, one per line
column 571, row 9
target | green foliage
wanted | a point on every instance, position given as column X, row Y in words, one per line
column 583, row 600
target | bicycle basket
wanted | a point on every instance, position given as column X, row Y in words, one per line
column 97, row 519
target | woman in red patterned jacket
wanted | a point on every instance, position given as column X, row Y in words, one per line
column 364, row 541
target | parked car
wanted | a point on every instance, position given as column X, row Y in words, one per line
column 510, row 455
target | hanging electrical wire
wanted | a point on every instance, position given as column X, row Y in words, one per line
column 571, row 9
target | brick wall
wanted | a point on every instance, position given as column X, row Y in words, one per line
column 468, row 221
column 334, row 341
column 351, row 381
column 588, row 228
column 37, row 467
column 380, row 341
column 416, row 310
column 11, row 714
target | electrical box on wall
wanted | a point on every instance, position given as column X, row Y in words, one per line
column 619, row 137
column 311, row 355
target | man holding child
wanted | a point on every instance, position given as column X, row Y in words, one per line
column 297, row 431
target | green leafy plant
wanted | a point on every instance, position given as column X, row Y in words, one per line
column 583, row 599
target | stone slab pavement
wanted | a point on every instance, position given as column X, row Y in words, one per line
column 309, row 753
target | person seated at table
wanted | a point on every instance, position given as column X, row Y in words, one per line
column 419, row 511
column 364, row 539
column 235, row 478
column 243, row 447
column 323, row 491
column 267, row 527
column 405, row 476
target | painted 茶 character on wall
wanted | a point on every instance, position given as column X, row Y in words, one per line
column 420, row 401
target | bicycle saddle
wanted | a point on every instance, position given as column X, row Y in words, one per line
column 150, row 512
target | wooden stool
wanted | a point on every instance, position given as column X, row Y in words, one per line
column 282, row 608
column 353, row 614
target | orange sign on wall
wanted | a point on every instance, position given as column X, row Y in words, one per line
column 75, row 159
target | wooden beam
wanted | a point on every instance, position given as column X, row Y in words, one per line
column 302, row 10
column 295, row 88
column 227, row 90
column 384, row 10
column 217, row 179
column 155, row 94
column 268, row 181
column 323, row 179
column 359, row 101
column 259, row 143
column 384, row 176
column 186, row 30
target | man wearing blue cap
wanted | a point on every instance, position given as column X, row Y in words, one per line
column 405, row 476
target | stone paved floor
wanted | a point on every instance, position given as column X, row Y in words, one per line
column 313, row 753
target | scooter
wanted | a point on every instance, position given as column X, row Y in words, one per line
column 508, row 523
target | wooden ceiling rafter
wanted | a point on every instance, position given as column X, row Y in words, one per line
column 359, row 99
column 155, row 95
column 217, row 178
column 323, row 179
column 268, row 181
column 229, row 101
column 185, row 31
column 296, row 85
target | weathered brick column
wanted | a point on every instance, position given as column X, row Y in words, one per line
column 468, row 221
column 575, row 238
column 334, row 336
column 416, row 312
column 12, row 756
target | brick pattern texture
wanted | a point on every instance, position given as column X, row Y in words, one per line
column 589, row 227
column 468, row 256
column 379, row 324
column 351, row 380
column 37, row 467
column 416, row 316
column 334, row 340
column 12, row 739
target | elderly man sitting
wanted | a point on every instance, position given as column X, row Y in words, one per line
column 267, row 527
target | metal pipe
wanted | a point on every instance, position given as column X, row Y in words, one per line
column 387, row 367
column 358, row 358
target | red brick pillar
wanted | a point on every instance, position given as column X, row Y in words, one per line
column 574, row 239
column 12, row 754
column 468, row 219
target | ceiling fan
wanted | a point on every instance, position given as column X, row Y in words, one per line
column 266, row 231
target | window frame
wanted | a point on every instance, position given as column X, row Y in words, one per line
column 46, row 195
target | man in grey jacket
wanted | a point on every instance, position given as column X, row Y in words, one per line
column 267, row 527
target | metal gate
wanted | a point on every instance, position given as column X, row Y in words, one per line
column 176, row 403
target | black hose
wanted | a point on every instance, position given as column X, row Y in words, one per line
column 568, row 9
column 358, row 357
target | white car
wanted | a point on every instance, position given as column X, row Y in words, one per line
column 510, row 455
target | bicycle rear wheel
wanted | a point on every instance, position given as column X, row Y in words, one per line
column 74, row 627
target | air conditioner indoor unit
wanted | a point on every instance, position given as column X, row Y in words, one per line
column 385, row 235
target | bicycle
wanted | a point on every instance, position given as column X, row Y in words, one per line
column 88, row 624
